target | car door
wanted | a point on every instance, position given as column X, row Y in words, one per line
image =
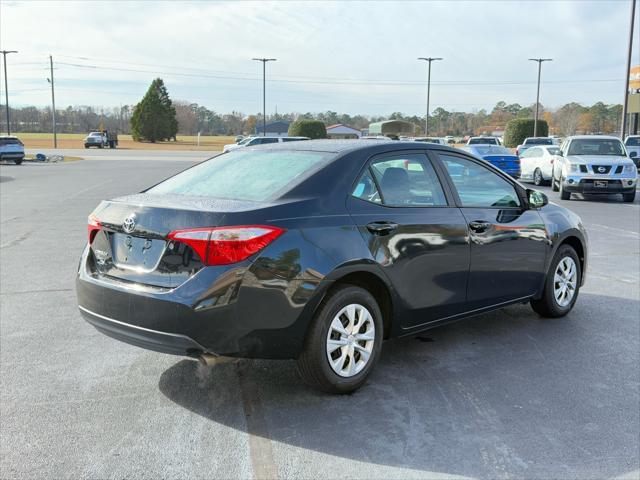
column 508, row 240
column 415, row 233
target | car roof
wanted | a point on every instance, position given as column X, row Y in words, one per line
column 344, row 146
column 590, row 137
column 8, row 136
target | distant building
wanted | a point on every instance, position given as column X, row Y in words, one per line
column 393, row 128
column 342, row 131
column 275, row 129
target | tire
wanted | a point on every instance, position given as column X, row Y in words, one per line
column 554, row 185
column 537, row 178
column 100, row 146
column 313, row 364
column 547, row 305
column 629, row 197
column 18, row 161
column 564, row 195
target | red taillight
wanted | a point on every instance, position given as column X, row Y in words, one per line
column 93, row 226
column 225, row 245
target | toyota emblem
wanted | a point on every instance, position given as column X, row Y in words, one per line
column 602, row 169
column 129, row 224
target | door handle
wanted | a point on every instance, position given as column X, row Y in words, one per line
column 479, row 226
column 381, row 228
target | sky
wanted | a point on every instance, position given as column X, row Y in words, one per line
column 349, row 57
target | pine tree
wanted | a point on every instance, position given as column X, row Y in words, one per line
column 154, row 118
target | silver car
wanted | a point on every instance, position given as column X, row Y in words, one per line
column 594, row 164
column 11, row 148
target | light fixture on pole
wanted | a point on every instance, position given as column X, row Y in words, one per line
column 535, row 121
column 6, row 89
column 428, row 59
column 264, row 90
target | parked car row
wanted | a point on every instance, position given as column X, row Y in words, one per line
column 593, row 164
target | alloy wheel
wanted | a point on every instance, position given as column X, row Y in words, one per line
column 537, row 177
column 565, row 281
column 350, row 340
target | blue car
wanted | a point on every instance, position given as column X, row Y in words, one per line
column 11, row 148
column 499, row 157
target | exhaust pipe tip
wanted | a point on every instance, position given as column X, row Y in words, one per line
column 209, row 359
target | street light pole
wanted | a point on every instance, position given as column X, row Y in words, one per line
column 535, row 121
column 264, row 92
column 625, row 103
column 53, row 105
column 428, row 59
column 6, row 89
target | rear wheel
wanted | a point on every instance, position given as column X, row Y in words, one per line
column 629, row 197
column 344, row 341
column 18, row 161
column 561, row 286
column 537, row 177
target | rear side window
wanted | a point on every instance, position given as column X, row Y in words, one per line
column 477, row 186
column 408, row 180
column 10, row 141
column 366, row 188
column 246, row 175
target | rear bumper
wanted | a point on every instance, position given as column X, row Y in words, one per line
column 11, row 156
column 163, row 342
column 222, row 311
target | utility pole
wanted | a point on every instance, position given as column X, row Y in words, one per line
column 625, row 103
column 428, row 59
column 535, row 121
column 264, row 90
column 53, row 104
column 6, row 89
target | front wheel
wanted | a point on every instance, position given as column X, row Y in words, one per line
column 18, row 161
column 561, row 286
column 344, row 341
column 554, row 185
column 629, row 197
column 564, row 195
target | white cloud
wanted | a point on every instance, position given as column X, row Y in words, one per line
column 322, row 41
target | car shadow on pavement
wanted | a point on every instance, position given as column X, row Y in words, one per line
column 503, row 394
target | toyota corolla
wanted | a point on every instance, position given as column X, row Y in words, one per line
column 320, row 250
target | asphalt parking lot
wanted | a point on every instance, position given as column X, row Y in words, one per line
column 501, row 395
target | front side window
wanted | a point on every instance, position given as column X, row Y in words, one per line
column 254, row 175
column 408, row 180
column 478, row 186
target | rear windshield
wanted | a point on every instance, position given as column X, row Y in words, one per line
column 596, row 146
column 539, row 141
column 492, row 150
column 483, row 141
column 553, row 150
column 254, row 175
column 10, row 141
column 633, row 142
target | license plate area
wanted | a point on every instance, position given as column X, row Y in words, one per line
column 137, row 253
column 600, row 184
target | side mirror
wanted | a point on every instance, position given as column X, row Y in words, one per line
column 633, row 154
column 537, row 199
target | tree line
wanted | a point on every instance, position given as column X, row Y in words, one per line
column 157, row 117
